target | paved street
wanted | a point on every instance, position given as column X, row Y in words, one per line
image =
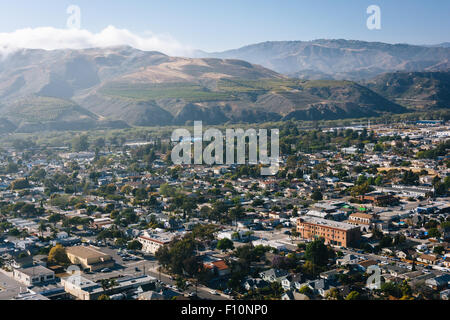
column 9, row 288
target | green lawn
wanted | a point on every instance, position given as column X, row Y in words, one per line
column 188, row 92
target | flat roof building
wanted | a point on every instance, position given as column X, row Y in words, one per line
column 152, row 242
column 333, row 232
column 33, row 276
column 361, row 218
column 89, row 258
column 85, row 289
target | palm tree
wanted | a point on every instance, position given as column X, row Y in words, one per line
column 105, row 284
column 113, row 283
column 108, row 284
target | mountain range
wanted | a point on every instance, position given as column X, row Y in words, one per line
column 340, row 59
column 119, row 87
column 420, row 90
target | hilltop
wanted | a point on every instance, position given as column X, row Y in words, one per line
column 122, row 86
column 414, row 89
column 340, row 59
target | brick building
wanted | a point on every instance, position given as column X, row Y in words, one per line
column 333, row 232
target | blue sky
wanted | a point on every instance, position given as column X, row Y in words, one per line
column 213, row 25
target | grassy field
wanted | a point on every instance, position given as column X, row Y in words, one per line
column 326, row 84
column 185, row 91
column 231, row 85
column 41, row 109
column 227, row 89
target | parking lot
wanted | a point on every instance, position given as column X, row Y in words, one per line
column 138, row 265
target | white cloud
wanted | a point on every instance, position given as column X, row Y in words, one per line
column 49, row 38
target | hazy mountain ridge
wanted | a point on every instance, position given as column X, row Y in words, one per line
column 122, row 86
column 341, row 59
column 414, row 89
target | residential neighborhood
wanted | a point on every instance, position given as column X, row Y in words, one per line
column 355, row 213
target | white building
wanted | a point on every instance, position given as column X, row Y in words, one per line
column 34, row 275
column 152, row 242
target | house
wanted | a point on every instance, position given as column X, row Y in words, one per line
column 364, row 265
column 440, row 282
column 319, row 286
column 427, row 258
column 330, row 275
column 292, row 281
column 421, row 247
column 402, row 254
column 445, row 294
column 27, row 244
column 21, row 260
column 318, row 214
column 379, row 199
column 268, row 184
column 219, row 267
column 446, row 233
column 273, row 275
column 230, row 235
column 294, row 295
column 393, row 270
column 446, row 262
column 40, row 259
column 151, row 295
column 69, row 241
column 101, row 223
column 347, row 259
column 412, row 275
column 6, row 248
column 252, row 284
column 270, row 243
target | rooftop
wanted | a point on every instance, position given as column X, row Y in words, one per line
column 362, row 215
column 86, row 252
column 37, row 270
column 164, row 237
column 328, row 223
